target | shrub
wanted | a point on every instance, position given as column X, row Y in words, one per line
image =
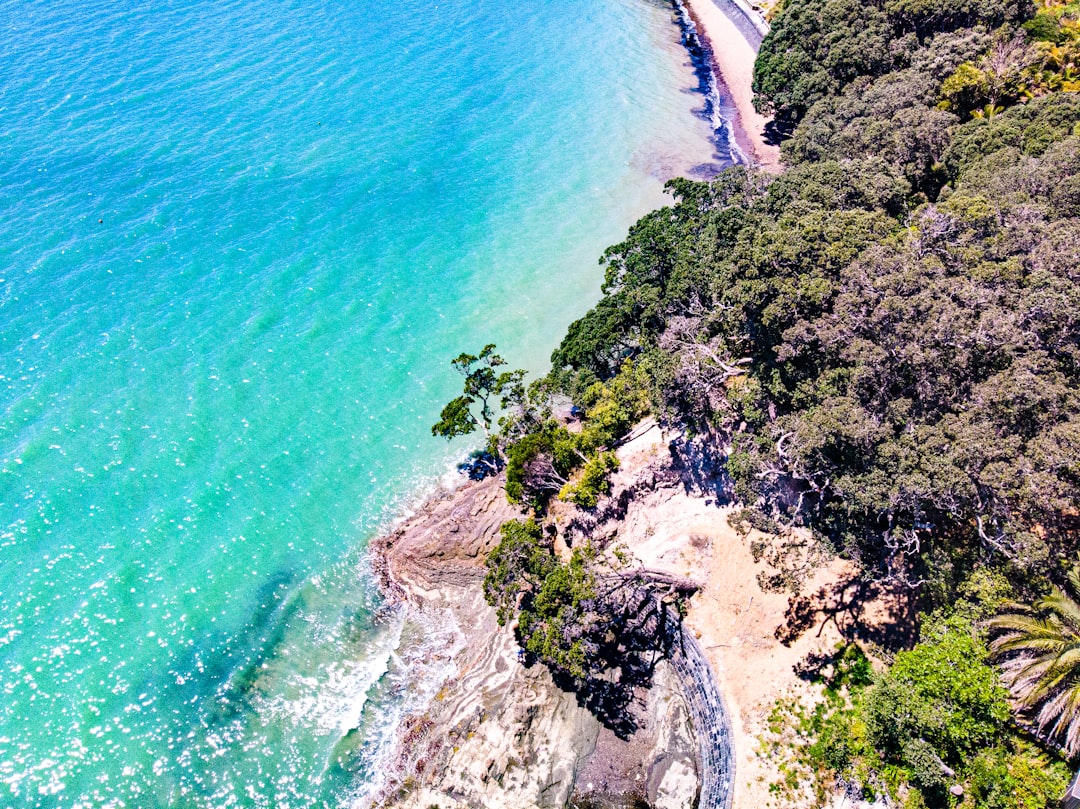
column 941, row 693
column 592, row 482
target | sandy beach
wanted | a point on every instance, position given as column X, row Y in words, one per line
column 756, row 642
column 733, row 54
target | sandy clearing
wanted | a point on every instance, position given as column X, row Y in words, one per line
column 754, row 641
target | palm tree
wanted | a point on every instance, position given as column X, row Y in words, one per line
column 1040, row 650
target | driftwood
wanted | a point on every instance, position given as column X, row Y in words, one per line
column 678, row 584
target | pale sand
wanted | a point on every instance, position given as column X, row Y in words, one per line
column 746, row 633
column 733, row 62
column 737, row 623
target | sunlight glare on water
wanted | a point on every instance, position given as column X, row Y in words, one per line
column 240, row 243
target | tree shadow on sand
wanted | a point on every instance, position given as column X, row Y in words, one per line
column 862, row 611
column 776, row 132
column 702, row 469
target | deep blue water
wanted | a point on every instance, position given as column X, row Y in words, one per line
column 239, row 243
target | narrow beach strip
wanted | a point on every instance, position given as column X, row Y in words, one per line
column 730, row 34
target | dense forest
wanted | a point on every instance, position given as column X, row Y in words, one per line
column 881, row 347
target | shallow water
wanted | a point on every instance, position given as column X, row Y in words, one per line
column 240, row 243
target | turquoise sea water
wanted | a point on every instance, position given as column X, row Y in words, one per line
column 240, row 242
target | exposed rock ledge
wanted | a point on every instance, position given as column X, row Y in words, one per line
column 499, row 734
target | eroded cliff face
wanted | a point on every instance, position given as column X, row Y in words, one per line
column 499, row 734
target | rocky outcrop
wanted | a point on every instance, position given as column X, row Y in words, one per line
column 499, row 734
column 439, row 551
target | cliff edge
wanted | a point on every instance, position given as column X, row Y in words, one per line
column 499, row 733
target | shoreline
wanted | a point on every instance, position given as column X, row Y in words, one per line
column 741, row 653
column 500, row 732
column 729, row 35
column 723, row 46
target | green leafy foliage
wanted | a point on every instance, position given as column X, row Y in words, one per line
column 555, row 623
column 483, row 385
column 893, row 116
column 816, row 48
column 595, row 626
column 996, row 79
column 1040, row 647
column 891, row 378
column 934, row 721
column 592, row 482
column 520, row 563
column 1024, row 131
column 527, row 583
column 938, row 701
column 612, row 408
column 542, row 462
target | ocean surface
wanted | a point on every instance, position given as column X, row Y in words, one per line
column 239, row 244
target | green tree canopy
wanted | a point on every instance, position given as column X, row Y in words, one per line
column 484, row 385
column 940, row 700
column 520, row 563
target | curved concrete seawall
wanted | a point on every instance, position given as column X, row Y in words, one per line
column 708, row 714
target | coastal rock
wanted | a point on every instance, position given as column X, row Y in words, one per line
column 442, row 547
column 656, row 766
column 672, row 774
column 499, row 734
